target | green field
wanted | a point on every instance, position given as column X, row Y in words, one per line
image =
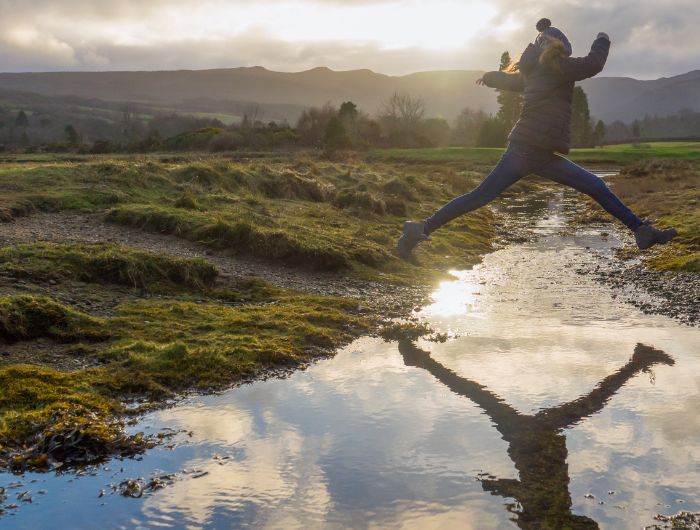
column 612, row 154
column 226, row 119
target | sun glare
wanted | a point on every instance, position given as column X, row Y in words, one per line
column 453, row 298
column 440, row 24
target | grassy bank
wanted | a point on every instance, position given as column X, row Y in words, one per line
column 194, row 337
column 333, row 216
column 667, row 190
column 156, row 325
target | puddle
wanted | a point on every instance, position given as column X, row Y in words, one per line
column 557, row 405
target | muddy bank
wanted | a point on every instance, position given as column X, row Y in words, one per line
column 681, row 521
column 389, row 299
column 675, row 294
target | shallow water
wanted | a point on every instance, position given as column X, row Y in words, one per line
column 534, row 405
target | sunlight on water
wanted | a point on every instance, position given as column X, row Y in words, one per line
column 455, row 298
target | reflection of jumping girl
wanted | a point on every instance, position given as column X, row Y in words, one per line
column 546, row 74
column 536, row 443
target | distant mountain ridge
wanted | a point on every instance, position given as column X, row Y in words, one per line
column 625, row 98
column 446, row 92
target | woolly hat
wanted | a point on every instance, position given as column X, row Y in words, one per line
column 544, row 26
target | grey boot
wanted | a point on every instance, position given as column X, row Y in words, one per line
column 412, row 236
column 648, row 235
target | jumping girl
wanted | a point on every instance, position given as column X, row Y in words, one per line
column 546, row 73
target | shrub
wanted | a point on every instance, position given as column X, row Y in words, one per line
column 143, row 146
column 193, row 141
column 101, row 147
column 56, row 147
column 226, row 142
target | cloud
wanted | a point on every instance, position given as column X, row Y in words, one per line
column 650, row 39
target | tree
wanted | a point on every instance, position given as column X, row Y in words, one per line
column 599, row 132
column 311, row 125
column 467, row 125
column 21, row 120
column 252, row 114
column 24, row 140
column 581, row 129
column 511, row 102
column 493, row 133
column 400, row 115
column 435, row 132
column 636, row 129
column 348, row 115
column 335, row 134
column 636, row 134
column 348, row 112
column 618, row 130
column 129, row 122
column 70, row 134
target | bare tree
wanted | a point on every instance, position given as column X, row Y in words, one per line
column 401, row 113
column 467, row 126
column 252, row 114
column 129, row 122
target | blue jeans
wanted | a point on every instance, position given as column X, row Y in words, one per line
column 518, row 162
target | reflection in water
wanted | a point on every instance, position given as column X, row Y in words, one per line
column 454, row 298
column 536, row 444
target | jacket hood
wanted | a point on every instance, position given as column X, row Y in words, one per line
column 529, row 59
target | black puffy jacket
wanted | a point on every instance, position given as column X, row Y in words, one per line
column 545, row 120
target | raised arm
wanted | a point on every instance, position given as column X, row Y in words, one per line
column 502, row 414
column 570, row 413
column 580, row 68
column 503, row 81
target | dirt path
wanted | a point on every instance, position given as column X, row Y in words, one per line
column 66, row 227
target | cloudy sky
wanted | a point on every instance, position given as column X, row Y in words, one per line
column 650, row 38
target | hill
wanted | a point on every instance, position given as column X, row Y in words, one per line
column 624, row 98
column 446, row 92
column 284, row 95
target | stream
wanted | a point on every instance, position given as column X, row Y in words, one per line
column 554, row 404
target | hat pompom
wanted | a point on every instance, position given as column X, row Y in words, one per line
column 543, row 24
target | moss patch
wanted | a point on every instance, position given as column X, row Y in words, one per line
column 105, row 263
column 26, row 317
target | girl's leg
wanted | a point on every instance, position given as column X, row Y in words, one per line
column 512, row 167
column 563, row 171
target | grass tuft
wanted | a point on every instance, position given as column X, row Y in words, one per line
column 187, row 201
column 26, row 317
column 105, row 263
